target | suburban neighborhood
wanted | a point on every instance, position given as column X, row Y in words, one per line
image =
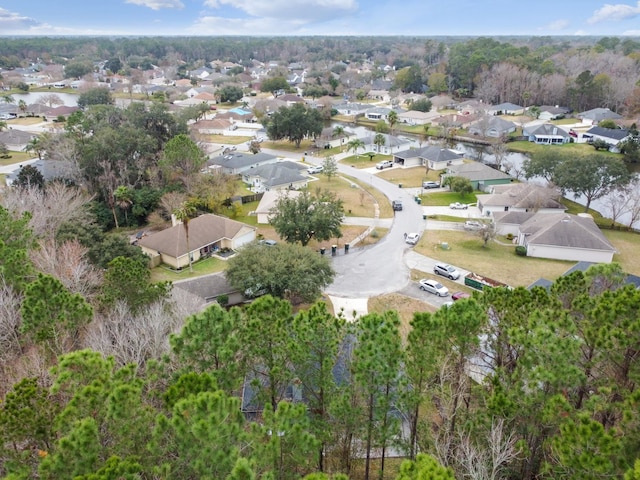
column 279, row 259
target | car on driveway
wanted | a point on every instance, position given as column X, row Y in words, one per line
column 473, row 225
column 433, row 286
column 458, row 206
column 412, row 238
column 446, row 270
column 315, row 169
column 384, row 164
column 459, row 296
column 268, row 242
column 397, row 205
column 430, row 184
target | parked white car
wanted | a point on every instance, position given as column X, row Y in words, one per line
column 473, row 225
column 458, row 206
column 384, row 164
column 412, row 238
column 433, row 286
column 315, row 169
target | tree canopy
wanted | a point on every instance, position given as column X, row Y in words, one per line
column 306, row 216
column 295, row 123
column 282, row 270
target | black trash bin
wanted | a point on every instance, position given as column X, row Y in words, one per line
column 334, row 250
column 322, row 250
column 346, row 248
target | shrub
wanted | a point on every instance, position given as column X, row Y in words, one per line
column 521, row 250
column 223, row 300
column 509, row 236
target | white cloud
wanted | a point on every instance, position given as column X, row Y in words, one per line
column 305, row 10
column 614, row 12
column 157, row 4
column 557, row 25
column 11, row 21
column 211, row 25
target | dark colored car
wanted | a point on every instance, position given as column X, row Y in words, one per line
column 397, row 205
column 460, row 296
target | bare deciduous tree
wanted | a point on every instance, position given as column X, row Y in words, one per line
column 9, row 323
column 486, row 461
column 51, row 208
column 68, row 263
column 133, row 339
column 616, row 204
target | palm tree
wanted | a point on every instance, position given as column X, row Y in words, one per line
column 379, row 140
column 8, row 99
column 392, row 118
column 22, row 106
column 34, row 145
column 354, row 145
column 338, row 131
column 124, row 199
column 184, row 213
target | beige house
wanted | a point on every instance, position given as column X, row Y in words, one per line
column 520, row 197
column 207, row 235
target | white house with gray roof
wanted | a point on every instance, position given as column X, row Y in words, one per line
column 285, row 175
column 561, row 236
column 612, row 136
column 596, row 115
column 236, row 163
column 432, row 156
column 490, row 126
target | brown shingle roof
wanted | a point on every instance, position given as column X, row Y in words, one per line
column 203, row 230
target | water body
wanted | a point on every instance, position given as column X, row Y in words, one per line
column 69, row 99
column 511, row 164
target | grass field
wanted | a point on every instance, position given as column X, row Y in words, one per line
column 363, row 160
column 405, row 306
column 408, row 177
column 434, row 199
column 16, row 158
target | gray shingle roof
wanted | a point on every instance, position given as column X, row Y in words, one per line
column 565, row 230
column 240, row 160
column 476, row 171
column 614, row 133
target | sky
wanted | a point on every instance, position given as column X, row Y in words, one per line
column 319, row 17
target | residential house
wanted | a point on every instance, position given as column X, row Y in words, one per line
column 291, row 99
column 415, row 117
column 207, row 234
column 440, row 102
column 433, row 157
column 596, row 115
column 216, row 126
column 547, row 134
column 286, row 175
column 612, row 136
column 551, row 112
column 491, row 126
column 268, row 202
column 50, row 170
column 236, row 163
column 15, row 139
column 562, row 236
column 391, row 143
column 377, row 113
column 455, row 120
column 352, row 109
column 480, row 175
column 520, row 197
column 583, row 266
column 327, row 137
column 505, row 109
column 381, row 95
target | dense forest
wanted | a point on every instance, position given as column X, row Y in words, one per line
column 511, row 384
column 578, row 72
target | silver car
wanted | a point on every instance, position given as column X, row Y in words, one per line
column 433, row 286
column 446, row 270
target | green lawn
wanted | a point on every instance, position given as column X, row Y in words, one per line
column 16, row 157
column 408, row 177
column 436, row 199
column 364, row 160
column 200, row 268
column 577, row 149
